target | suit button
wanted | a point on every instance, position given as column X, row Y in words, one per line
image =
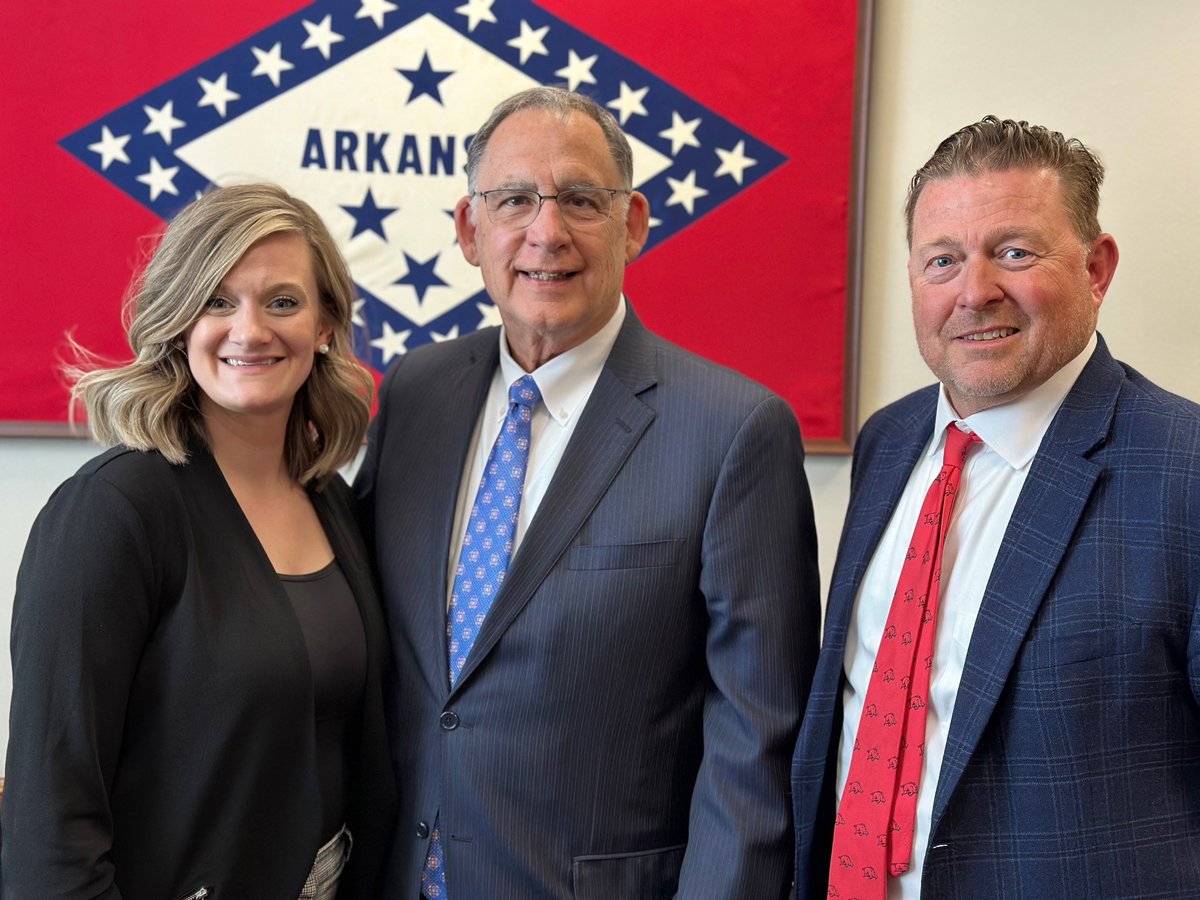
column 422, row 830
column 449, row 721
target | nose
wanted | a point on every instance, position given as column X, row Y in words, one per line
column 249, row 326
column 548, row 231
column 980, row 283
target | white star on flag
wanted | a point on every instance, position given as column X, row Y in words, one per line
column 217, row 94
column 477, row 11
column 490, row 315
column 735, row 162
column 685, row 193
column 162, row 121
column 448, row 336
column 529, row 41
column 110, row 147
column 391, row 342
column 159, row 179
column 271, row 63
column 320, row 36
column 375, row 10
column 630, row 102
column 681, row 134
column 578, row 71
column 356, row 313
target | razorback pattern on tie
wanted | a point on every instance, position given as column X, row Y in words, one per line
column 873, row 831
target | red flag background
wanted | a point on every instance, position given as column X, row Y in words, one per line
column 763, row 283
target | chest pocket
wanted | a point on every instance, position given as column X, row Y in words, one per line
column 642, row 555
column 1063, row 647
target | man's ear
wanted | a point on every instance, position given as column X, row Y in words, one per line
column 637, row 225
column 1101, row 265
column 464, row 226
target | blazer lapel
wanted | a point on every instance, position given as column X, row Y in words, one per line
column 883, row 478
column 446, row 444
column 1056, row 491
column 612, row 423
column 881, row 469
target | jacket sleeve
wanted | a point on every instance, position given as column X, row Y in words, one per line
column 760, row 584
column 368, row 471
column 81, row 617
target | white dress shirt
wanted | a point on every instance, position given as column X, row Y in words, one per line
column 566, row 383
column 988, row 492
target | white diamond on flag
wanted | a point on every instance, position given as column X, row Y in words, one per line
column 371, row 127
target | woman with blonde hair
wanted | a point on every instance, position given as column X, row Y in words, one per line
column 197, row 645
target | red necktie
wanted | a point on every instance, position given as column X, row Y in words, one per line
column 873, row 832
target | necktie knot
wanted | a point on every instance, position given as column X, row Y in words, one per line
column 524, row 393
column 958, row 445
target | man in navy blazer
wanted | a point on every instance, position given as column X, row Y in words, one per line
column 622, row 726
column 1062, row 738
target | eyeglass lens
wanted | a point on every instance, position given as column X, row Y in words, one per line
column 519, row 208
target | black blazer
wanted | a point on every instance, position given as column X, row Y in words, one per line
column 162, row 732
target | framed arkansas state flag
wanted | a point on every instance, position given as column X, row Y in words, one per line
column 745, row 120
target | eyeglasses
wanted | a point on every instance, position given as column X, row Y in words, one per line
column 578, row 206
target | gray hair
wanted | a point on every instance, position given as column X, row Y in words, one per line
column 995, row 145
column 562, row 103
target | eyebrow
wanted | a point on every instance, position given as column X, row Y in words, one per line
column 513, row 184
column 285, row 287
column 526, row 185
column 1027, row 235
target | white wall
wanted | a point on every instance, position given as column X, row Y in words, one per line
column 1120, row 76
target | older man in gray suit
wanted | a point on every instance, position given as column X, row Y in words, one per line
column 597, row 555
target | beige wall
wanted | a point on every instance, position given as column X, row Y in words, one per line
column 1121, row 76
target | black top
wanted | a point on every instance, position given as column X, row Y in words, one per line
column 337, row 656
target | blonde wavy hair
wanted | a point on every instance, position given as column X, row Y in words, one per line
column 151, row 402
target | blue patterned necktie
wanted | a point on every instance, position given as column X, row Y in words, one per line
column 486, row 550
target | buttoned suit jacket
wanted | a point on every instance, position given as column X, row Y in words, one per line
column 622, row 723
column 1072, row 766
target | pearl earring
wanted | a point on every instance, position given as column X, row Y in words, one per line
column 322, row 349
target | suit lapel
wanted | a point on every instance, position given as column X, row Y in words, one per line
column 883, row 462
column 1056, row 492
column 882, row 470
column 612, row 423
column 447, row 443
column 883, row 474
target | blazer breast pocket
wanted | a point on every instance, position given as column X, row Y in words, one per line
column 1065, row 647
column 648, row 875
column 641, row 555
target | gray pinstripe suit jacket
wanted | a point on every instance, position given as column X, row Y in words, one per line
column 623, row 726
column 1072, row 767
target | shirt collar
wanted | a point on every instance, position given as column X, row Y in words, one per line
column 1015, row 430
column 567, row 380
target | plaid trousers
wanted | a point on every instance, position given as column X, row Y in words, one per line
column 322, row 881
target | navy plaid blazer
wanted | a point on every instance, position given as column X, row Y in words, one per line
column 1072, row 767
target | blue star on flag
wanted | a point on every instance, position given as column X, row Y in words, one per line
column 420, row 276
column 425, row 80
column 369, row 217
